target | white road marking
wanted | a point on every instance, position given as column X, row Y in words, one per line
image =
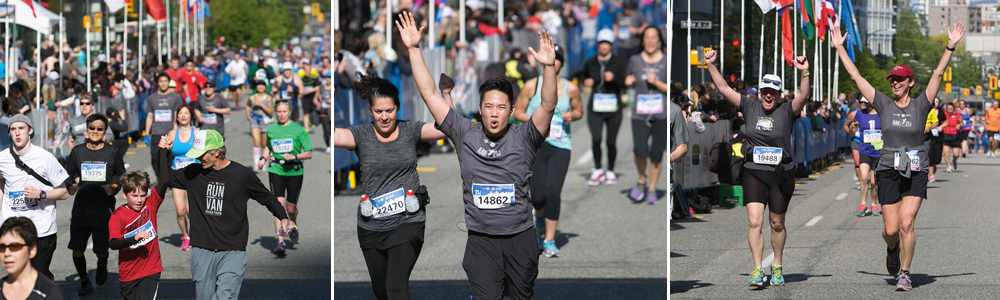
column 768, row 261
column 585, row 158
column 842, row 196
column 813, row 221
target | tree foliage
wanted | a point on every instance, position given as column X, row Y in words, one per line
column 250, row 21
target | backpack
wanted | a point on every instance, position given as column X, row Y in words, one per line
column 720, row 157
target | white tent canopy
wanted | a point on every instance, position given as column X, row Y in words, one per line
column 44, row 21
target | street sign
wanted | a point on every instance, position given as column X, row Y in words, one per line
column 696, row 24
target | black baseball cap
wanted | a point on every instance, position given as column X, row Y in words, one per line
column 210, row 83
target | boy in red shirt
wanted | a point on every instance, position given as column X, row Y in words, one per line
column 133, row 232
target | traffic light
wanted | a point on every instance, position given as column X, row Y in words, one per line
column 947, row 74
column 315, row 9
column 86, row 22
column 947, row 88
column 130, row 9
column 698, row 57
column 965, row 91
column 979, row 90
column 993, row 82
column 736, row 50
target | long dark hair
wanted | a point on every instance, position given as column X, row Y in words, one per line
column 371, row 86
column 659, row 35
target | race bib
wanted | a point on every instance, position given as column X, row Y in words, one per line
column 211, row 118
column 623, row 33
column 914, row 157
column 873, row 135
column 649, row 104
column 18, row 202
column 934, row 131
column 996, row 136
column 148, row 227
column 556, row 129
column 767, row 155
column 389, row 204
column 492, row 196
column 283, row 145
column 181, row 162
column 285, row 95
column 162, row 115
column 93, row 172
column 605, row 103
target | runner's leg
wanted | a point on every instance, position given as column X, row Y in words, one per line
column 181, row 204
column 614, row 124
column 557, row 167
column 908, row 209
column 378, row 268
column 595, row 123
column 401, row 259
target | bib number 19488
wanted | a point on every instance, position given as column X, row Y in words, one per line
column 767, row 155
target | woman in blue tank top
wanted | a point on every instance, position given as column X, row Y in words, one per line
column 552, row 158
column 867, row 130
column 182, row 139
column 969, row 124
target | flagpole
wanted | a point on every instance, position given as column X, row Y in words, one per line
column 796, row 19
column 722, row 36
column 670, row 43
column 125, row 43
column 62, row 40
column 743, row 24
column 776, row 25
column 141, row 33
column 688, row 67
column 170, row 44
column 760, row 62
column 776, row 37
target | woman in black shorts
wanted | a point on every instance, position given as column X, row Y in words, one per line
column 387, row 151
column 951, row 125
column 769, row 177
column 901, row 174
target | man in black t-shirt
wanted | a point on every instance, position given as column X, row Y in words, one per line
column 95, row 167
column 218, row 190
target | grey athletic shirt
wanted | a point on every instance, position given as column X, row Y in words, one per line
column 212, row 121
column 644, row 89
column 386, row 167
column 767, row 130
column 678, row 127
column 505, row 161
column 901, row 127
column 164, row 106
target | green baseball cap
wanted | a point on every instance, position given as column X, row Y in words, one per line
column 204, row 141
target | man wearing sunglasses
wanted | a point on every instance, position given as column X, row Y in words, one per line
column 32, row 182
column 78, row 124
column 94, row 168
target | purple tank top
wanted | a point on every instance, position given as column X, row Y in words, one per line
column 868, row 123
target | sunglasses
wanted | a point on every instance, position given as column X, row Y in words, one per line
column 95, row 128
column 86, row 103
column 13, row 247
column 775, row 82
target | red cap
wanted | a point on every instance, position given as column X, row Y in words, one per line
column 409, row 192
column 901, row 70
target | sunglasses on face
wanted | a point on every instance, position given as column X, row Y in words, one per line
column 86, row 103
column 775, row 82
column 95, row 128
column 897, row 78
column 14, row 247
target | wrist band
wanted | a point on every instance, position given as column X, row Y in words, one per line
column 806, row 74
column 952, row 49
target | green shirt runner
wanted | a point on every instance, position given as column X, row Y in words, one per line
column 291, row 139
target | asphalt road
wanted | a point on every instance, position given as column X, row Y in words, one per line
column 303, row 274
column 611, row 248
column 832, row 254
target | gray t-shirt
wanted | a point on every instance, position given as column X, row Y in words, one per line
column 212, row 121
column 678, row 127
column 494, row 170
column 162, row 107
column 649, row 101
column 387, row 167
column 901, row 127
column 625, row 38
column 767, row 130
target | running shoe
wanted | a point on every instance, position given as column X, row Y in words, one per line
column 328, row 150
column 931, row 179
column 610, row 177
column 651, row 198
column 596, row 176
column 757, row 277
column 875, row 211
column 294, row 236
column 185, row 243
column 903, row 283
column 892, row 260
column 280, row 249
column 638, row 191
column 949, row 169
column 861, row 210
column 550, row 249
column 85, row 288
column 776, row 278
column 102, row 274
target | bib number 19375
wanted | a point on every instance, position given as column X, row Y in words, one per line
column 492, row 196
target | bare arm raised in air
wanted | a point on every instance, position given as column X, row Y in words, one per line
column 866, row 89
column 728, row 93
column 421, row 75
column 955, row 35
column 546, row 55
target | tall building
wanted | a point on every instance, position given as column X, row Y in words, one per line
column 875, row 22
column 943, row 16
column 991, row 17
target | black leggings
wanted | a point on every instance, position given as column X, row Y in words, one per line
column 390, row 269
column 640, row 138
column 324, row 118
column 280, row 184
column 596, row 122
column 547, row 176
column 766, row 187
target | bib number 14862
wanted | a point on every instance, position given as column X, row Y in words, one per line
column 492, row 196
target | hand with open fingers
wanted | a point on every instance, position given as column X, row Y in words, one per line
column 955, row 34
column 710, row 57
column 838, row 37
column 801, row 63
column 546, row 54
column 408, row 31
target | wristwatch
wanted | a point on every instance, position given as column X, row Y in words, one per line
column 42, row 195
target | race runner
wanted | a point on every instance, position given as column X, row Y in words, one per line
column 605, row 75
column 260, row 107
column 646, row 71
column 993, row 129
column 182, row 139
column 951, row 126
column 867, row 131
column 287, row 145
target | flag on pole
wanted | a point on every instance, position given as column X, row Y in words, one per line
column 853, row 40
column 827, row 19
column 831, row 14
column 768, row 5
column 155, row 9
column 805, row 6
column 786, row 35
column 113, row 5
column 28, row 2
column 820, row 19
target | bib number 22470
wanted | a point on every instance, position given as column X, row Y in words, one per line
column 389, row 204
column 492, row 196
column 767, row 155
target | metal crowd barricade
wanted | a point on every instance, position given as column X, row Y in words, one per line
column 52, row 128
